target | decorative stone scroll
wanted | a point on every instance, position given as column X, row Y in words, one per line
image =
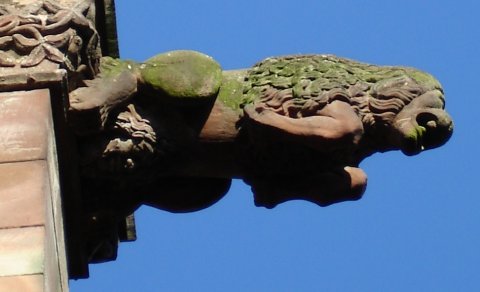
column 46, row 35
column 173, row 131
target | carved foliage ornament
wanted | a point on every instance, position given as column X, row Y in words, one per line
column 49, row 32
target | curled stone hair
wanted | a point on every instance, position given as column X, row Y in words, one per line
column 301, row 86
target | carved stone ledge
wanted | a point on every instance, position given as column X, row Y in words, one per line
column 31, row 80
column 47, row 35
column 56, row 44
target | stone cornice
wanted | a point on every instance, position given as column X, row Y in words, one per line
column 44, row 35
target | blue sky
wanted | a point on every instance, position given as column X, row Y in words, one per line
column 417, row 226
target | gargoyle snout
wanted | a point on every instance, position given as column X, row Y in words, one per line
column 438, row 127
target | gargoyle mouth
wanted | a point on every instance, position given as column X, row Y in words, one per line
column 428, row 129
column 423, row 124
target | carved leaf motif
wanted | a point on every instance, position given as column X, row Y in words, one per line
column 34, row 58
column 51, row 7
column 59, row 20
column 7, row 22
column 135, row 125
column 80, row 20
column 23, row 43
column 5, row 41
column 6, row 60
column 30, row 19
column 59, row 40
column 49, row 30
column 53, row 54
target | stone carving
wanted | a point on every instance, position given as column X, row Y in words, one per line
column 342, row 111
column 46, row 34
column 173, row 131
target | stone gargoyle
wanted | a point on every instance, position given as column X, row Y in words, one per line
column 173, row 131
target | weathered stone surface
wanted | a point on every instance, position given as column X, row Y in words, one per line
column 176, row 130
column 24, row 125
column 16, row 80
column 304, row 118
column 55, row 251
column 50, row 44
column 47, row 35
column 182, row 74
column 53, row 260
column 22, row 251
column 27, row 283
column 173, row 131
column 22, row 193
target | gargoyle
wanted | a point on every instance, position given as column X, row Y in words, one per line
column 173, row 131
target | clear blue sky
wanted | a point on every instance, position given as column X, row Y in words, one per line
column 417, row 226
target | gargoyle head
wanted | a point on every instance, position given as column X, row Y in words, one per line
column 421, row 122
column 340, row 111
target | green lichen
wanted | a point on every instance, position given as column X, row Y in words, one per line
column 311, row 75
column 416, row 133
column 231, row 91
column 413, row 140
column 193, row 75
column 424, row 78
column 182, row 74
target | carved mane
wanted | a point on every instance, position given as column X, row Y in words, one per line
column 300, row 85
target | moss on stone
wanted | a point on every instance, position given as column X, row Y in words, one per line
column 310, row 76
column 424, row 78
column 231, row 91
column 183, row 74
